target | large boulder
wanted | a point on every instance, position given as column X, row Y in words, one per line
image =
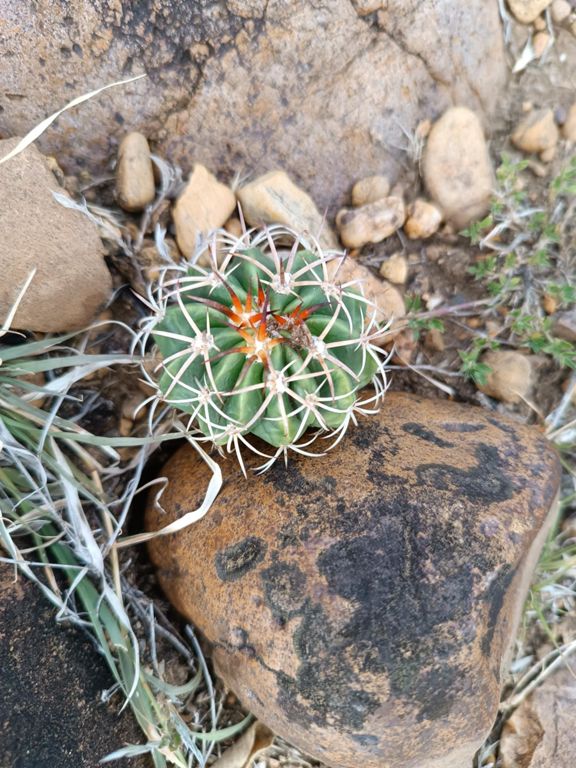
column 363, row 604
column 322, row 90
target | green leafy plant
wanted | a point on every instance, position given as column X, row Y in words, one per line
column 472, row 367
column 527, row 245
column 267, row 341
column 418, row 322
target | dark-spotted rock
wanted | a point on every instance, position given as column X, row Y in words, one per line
column 363, row 604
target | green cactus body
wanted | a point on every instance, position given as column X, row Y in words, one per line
column 264, row 346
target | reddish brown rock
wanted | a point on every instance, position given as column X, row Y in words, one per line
column 244, row 86
column 372, row 593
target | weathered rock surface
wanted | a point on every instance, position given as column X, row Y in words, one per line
column 51, row 713
column 203, row 205
column 275, row 199
column 457, row 167
column 134, row 173
column 372, row 594
column 71, row 281
column 541, row 733
column 246, row 85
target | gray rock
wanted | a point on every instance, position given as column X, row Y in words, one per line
column 246, row 86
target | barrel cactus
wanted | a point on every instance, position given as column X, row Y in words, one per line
column 266, row 341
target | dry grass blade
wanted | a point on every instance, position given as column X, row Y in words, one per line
column 39, row 129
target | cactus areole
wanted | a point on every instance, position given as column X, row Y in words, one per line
column 267, row 343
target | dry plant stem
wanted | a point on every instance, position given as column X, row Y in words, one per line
column 562, row 655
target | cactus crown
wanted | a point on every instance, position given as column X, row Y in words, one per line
column 266, row 342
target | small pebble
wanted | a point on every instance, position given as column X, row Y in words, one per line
column 492, row 328
column 539, row 24
column 369, row 190
column 126, row 425
column 560, row 10
column 434, row 340
column 370, row 223
column 565, row 325
column 510, row 379
column 537, row 132
column 540, row 43
column 203, row 205
column 395, row 269
column 569, row 127
column 423, row 220
column 548, row 155
column 404, row 347
column 134, row 173
column 527, row 11
column 274, row 199
column 549, row 304
column 234, row 227
column 385, row 296
column 457, row 167
column 365, row 7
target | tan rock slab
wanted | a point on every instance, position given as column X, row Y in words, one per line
column 134, row 173
column 457, row 167
column 363, row 604
column 371, row 223
column 275, row 199
column 72, row 281
column 203, row 205
column 537, row 132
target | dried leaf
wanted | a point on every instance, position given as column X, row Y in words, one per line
column 250, row 746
